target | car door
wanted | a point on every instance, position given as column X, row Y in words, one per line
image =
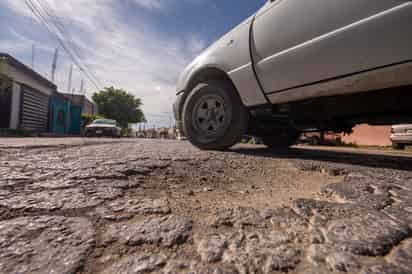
column 297, row 43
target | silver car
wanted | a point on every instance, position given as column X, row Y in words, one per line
column 298, row 66
column 401, row 136
column 103, row 128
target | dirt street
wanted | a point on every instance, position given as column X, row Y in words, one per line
column 149, row 206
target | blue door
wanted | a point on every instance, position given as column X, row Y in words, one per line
column 59, row 116
column 75, row 120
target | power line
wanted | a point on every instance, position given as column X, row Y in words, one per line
column 42, row 17
column 66, row 34
column 63, row 33
column 62, row 37
column 47, row 9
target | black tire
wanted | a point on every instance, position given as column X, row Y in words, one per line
column 398, row 146
column 315, row 141
column 229, row 129
column 282, row 140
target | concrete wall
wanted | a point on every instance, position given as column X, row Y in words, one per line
column 89, row 108
column 15, row 106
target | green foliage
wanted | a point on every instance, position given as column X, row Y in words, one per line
column 3, row 61
column 5, row 83
column 125, row 132
column 89, row 118
column 119, row 105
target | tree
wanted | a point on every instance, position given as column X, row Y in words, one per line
column 119, row 105
column 5, row 82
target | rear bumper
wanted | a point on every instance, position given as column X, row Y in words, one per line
column 401, row 138
column 101, row 132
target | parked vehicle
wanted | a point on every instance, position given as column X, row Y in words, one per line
column 401, row 136
column 296, row 66
column 103, row 127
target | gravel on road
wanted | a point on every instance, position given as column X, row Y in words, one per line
column 150, row 206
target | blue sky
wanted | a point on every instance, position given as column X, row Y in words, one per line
column 139, row 45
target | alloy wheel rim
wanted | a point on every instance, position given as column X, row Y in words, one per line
column 210, row 115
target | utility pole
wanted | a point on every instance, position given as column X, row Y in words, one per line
column 69, row 85
column 33, row 53
column 81, row 86
column 54, row 65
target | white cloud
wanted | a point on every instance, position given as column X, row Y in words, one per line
column 26, row 43
column 139, row 60
column 150, row 4
column 162, row 5
column 18, row 7
column 6, row 44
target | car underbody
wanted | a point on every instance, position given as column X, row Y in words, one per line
column 335, row 113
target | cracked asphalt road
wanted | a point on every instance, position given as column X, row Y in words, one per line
column 149, row 206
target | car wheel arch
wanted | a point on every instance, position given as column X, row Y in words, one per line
column 202, row 75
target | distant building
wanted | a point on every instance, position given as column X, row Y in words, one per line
column 362, row 135
column 365, row 135
column 24, row 96
column 88, row 107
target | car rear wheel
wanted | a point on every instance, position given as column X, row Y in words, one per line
column 214, row 117
column 282, row 140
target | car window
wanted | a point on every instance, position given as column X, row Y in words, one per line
column 104, row 121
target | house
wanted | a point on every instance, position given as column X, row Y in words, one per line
column 29, row 101
column 24, row 96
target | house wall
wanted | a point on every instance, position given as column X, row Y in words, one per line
column 89, row 108
column 15, row 106
column 30, row 98
column 365, row 135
